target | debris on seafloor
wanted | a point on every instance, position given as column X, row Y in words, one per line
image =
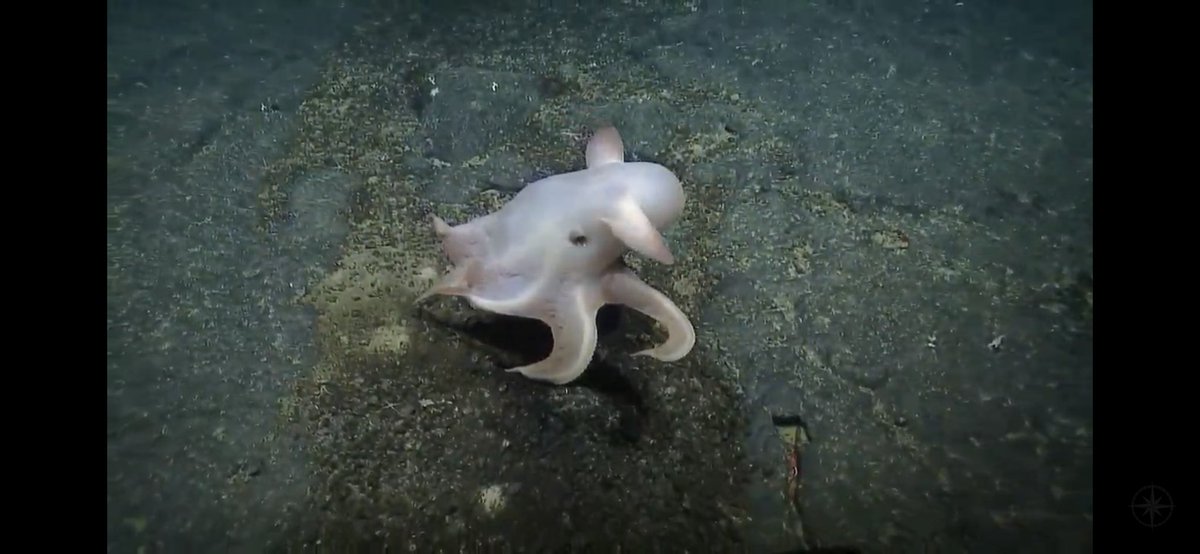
column 794, row 435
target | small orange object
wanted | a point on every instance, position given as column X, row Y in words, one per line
column 793, row 474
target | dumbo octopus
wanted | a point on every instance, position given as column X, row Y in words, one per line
column 554, row 253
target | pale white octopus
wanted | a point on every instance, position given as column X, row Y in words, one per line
column 554, row 251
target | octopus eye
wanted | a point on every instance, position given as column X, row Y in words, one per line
column 577, row 238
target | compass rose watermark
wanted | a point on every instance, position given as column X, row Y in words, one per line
column 1152, row 506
